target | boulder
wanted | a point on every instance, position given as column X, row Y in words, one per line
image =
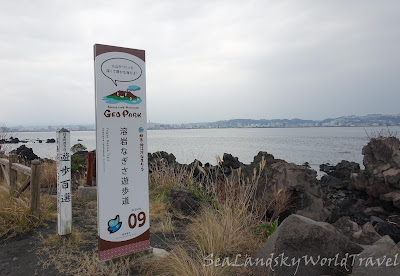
column 379, row 152
column 358, row 181
column 393, row 197
column 230, row 161
column 390, row 226
column 381, row 178
column 381, row 258
column 365, row 235
column 14, row 140
column 368, row 234
column 183, row 201
column 342, row 170
column 382, row 161
column 332, row 182
column 392, row 176
column 160, row 157
column 375, row 210
column 297, row 240
column 24, row 153
column 164, row 155
column 346, row 226
column 300, row 182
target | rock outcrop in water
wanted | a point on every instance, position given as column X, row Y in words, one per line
column 25, row 154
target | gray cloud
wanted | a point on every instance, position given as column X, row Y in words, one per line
column 206, row 60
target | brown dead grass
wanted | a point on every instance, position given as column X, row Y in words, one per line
column 67, row 256
column 222, row 227
column 15, row 215
column 49, row 175
column 161, row 218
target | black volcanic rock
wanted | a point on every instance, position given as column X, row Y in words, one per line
column 342, row 170
column 25, row 153
column 230, row 161
column 332, row 182
column 14, row 140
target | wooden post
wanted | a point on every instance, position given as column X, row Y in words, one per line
column 35, row 188
column 2, row 176
column 89, row 169
column 12, row 158
column 64, row 205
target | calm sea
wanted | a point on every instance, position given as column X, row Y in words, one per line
column 298, row 145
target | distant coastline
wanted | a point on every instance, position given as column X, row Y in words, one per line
column 371, row 120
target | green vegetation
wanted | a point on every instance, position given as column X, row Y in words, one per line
column 78, row 147
column 122, row 98
column 265, row 230
column 78, row 164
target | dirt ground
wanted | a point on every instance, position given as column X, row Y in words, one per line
column 24, row 254
column 18, row 255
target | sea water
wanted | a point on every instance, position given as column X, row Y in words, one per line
column 316, row 145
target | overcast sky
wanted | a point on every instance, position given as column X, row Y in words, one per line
column 205, row 60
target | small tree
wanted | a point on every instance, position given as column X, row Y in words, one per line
column 78, row 147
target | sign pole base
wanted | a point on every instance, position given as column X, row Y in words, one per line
column 137, row 256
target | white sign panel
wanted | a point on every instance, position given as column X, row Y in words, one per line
column 64, row 207
column 121, row 138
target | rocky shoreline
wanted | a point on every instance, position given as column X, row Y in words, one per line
column 349, row 212
column 369, row 197
column 359, row 209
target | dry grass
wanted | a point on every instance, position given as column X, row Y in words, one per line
column 162, row 178
column 277, row 202
column 183, row 261
column 160, row 216
column 49, row 175
column 221, row 229
column 15, row 215
column 67, row 257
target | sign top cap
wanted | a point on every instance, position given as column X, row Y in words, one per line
column 63, row 130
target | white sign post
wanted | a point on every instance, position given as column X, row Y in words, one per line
column 121, row 143
column 64, row 207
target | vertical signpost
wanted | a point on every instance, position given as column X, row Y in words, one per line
column 121, row 143
column 64, row 207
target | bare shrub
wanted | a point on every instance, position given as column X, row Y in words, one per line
column 5, row 134
column 380, row 134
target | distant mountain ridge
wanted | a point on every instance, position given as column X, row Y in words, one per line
column 344, row 121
